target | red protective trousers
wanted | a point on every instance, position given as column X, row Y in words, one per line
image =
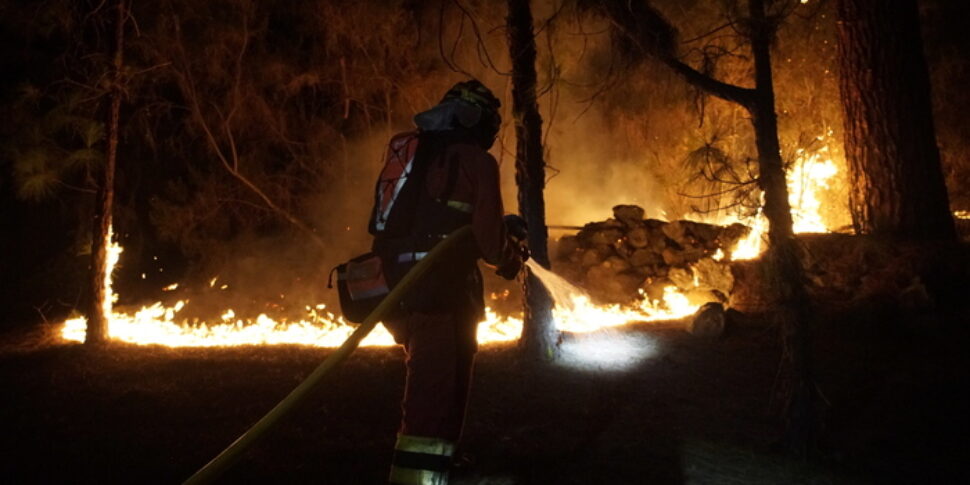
column 440, row 352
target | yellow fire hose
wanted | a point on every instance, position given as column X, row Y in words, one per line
column 225, row 460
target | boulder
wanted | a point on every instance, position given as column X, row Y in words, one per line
column 706, row 234
column 653, row 288
column 605, row 237
column 682, row 277
column 629, row 215
column 699, row 296
column 594, row 256
column 751, row 292
column 673, row 257
column 730, row 235
column 645, row 257
column 692, row 254
column 915, row 297
column 638, row 237
column 708, row 322
column 605, row 283
column 616, row 264
column 676, row 231
column 566, row 246
column 713, row 275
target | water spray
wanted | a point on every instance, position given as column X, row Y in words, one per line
column 602, row 349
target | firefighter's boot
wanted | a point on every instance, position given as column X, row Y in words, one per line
column 420, row 460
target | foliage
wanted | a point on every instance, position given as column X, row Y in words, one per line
column 55, row 146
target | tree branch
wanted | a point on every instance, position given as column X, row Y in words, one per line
column 231, row 161
column 714, row 87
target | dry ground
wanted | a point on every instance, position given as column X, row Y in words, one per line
column 695, row 411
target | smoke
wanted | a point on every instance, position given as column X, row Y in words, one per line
column 623, row 146
column 596, row 171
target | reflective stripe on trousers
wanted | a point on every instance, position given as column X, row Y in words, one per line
column 420, row 460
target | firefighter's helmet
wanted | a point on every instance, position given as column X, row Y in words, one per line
column 467, row 105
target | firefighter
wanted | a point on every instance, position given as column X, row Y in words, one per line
column 436, row 179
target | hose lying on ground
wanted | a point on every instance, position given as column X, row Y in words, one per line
column 215, row 468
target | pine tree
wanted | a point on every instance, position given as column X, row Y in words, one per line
column 897, row 185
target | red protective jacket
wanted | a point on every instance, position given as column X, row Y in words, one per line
column 459, row 175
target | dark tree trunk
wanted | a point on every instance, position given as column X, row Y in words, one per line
column 897, row 185
column 539, row 335
column 795, row 388
column 97, row 327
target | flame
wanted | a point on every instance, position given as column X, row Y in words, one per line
column 160, row 324
column 113, row 250
column 808, row 177
column 157, row 324
column 753, row 244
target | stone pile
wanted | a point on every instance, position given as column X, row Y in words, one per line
column 622, row 258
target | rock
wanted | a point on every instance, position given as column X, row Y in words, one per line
column 682, row 277
column 706, row 234
column 692, row 254
column 622, row 250
column 676, row 231
column 566, row 246
column 915, row 297
column 646, row 271
column 730, row 235
column 700, row 297
column 751, row 292
column 605, row 237
column 590, row 230
column 638, row 237
column 653, row 288
column 703, row 231
column 672, row 257
column 616, row 264
column 713, row 275
column 645, row 257
column 708, row 322
column 594, row 256
column 605, row 283
column 630, row 215
column 607, row 224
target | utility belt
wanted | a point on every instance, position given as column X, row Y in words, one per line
column 394, row 246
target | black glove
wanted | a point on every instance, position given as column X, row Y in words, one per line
column 516, row 227
column 518, row 232
column 510, row 269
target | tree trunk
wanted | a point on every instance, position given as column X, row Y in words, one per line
column 795, row 389
column 897, row 184
column 539, row 336
column 99, row 306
